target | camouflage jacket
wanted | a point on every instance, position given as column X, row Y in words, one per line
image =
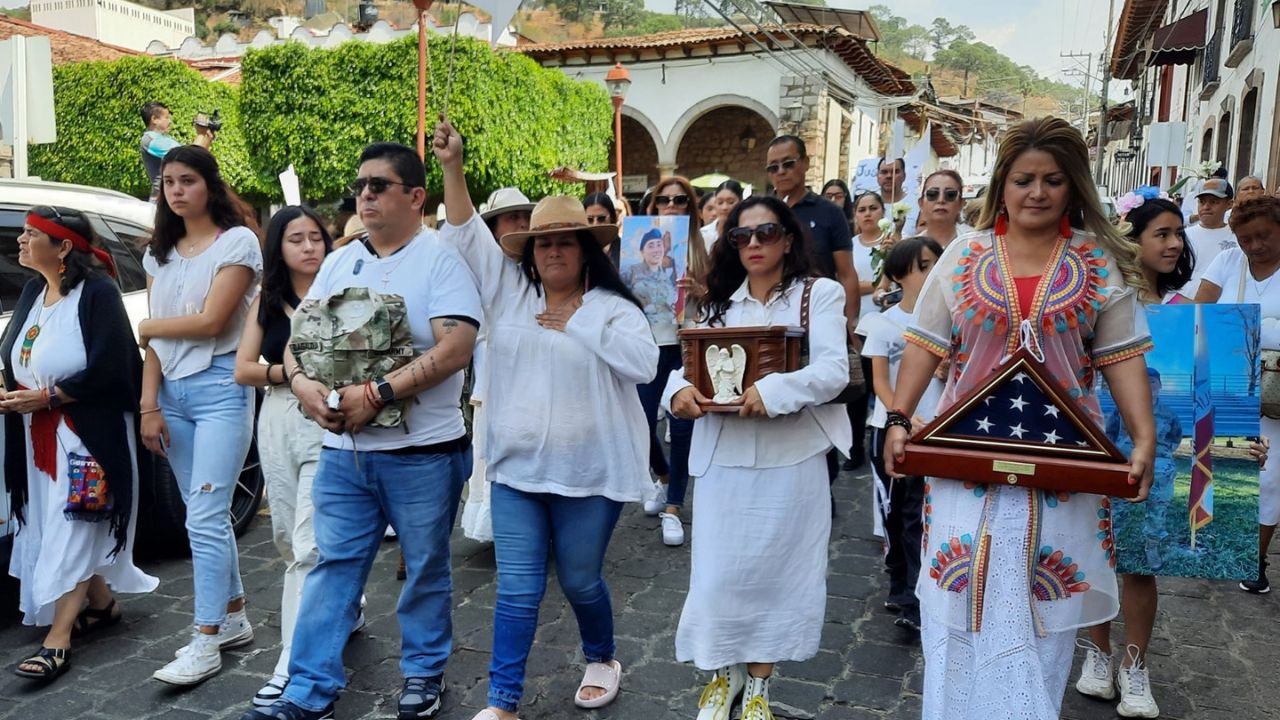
column 352, row 337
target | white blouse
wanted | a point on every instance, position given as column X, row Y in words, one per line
column 562, row 411
column 180, row 287
column 799, row 425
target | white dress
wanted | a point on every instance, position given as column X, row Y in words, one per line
column 762, row 508
column 52, row 554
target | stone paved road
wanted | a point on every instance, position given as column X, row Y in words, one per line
column 1214, row 657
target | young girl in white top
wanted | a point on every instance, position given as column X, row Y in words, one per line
column 757, row 589
column 202, row 266
column 902, row 507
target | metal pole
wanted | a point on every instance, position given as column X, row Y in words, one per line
column 617, row 141
column 21, row 134
column 422, row 84
column 1106, row 82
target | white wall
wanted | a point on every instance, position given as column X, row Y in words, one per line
column 115, row 22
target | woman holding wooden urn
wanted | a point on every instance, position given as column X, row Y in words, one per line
column 757, row 590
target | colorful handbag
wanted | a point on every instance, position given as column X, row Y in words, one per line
column 89, row 496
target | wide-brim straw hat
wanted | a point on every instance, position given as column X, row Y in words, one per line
column 556, row 214
column 504, row 200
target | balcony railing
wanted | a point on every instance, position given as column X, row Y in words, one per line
column 1212, row 70
column 1241, row 32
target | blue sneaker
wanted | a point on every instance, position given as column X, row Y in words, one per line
column 285, row 710
column 420, row 698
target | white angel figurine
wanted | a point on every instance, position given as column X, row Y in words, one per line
column 726, row 370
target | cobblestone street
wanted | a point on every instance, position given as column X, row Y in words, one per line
column 1213, row 658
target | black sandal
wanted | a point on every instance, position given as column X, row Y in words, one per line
column 91, row 620
column 52, row 661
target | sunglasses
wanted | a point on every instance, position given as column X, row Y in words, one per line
column 766, row 233
column 677, row 200
column 785, row 165
column 933, row 194
column 376, row 185
column 833, row 196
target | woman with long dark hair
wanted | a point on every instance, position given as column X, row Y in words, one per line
column 837, row 191
column 726, row 195
column 1053, row 275
column 288, row 443
column 757, row 588
column 71, row 375
column 202, row 265
column 566, row 445
column 602, row 211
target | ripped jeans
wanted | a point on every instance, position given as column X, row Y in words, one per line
column 210, row 421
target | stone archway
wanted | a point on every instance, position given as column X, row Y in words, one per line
column 729, row 140
column 639, row 150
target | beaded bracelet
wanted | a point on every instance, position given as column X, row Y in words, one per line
column 899, row 419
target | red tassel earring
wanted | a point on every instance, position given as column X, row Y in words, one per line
column 1002, row 223
column 1065, row 226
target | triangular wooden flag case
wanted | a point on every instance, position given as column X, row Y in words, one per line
column 1019, row 428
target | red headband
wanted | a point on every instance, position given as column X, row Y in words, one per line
column 78, row 241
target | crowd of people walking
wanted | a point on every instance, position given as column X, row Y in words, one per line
column 573, row 367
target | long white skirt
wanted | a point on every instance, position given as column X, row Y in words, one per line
column 477, row 520
column 758, row 583
column 1269, row 477
column 51, row 554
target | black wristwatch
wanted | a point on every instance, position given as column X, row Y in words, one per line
column 385, row 393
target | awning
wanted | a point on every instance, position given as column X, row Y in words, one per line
column 1179, row 42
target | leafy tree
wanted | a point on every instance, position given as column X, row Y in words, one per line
column 942, row 34
column 647, row 23
column 621, row 13
column 21, row 13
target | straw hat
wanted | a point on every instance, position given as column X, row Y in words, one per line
column 557, row 214
column 504, row 200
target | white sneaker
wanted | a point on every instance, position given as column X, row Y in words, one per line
column 198, row 661
column 672, row 530
column 271, row 692
column 718, row 697
column 1095, row 675
column 1135, row 689
column 658, row 502
column 234, row 632
column 755, row 700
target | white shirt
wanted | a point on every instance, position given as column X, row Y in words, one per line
column 862, row 264
column 434, row 283
column 561, row 408
column 180, row 287
column 799, row 425
column 710, row 232
column 1230, row 271
column 885, row 339
column 1206, row 244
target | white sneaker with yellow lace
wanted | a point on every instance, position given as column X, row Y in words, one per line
column 718, row 697
column 755, row 699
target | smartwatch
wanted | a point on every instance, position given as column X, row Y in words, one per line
column 385, row 393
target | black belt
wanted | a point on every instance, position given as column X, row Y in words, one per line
column 457, row 444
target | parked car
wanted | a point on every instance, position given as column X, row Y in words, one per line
column 124, row 224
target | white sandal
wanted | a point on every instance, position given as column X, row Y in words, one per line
column 607, row 677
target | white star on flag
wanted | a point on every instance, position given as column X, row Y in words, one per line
column 1020, row 377
column 1017, row 430
column 1051, row 437
column 1051, row 410
column 985, row 425
column 1018, row 403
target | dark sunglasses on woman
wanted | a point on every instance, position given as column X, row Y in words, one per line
column 766, row 233
column 677, row 200
column 932, row 195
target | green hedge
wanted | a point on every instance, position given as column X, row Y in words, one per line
column 318, row 108
column 99, row 125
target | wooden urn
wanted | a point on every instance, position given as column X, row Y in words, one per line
column 768, row 349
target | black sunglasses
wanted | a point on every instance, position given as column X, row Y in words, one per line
column 775, row 168
column 376, row 185
column 766, row 233
column 932, row 195
column 677, row 200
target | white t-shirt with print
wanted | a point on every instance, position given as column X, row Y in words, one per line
column 1227, row 271
column 885, row 339
column 434, row 283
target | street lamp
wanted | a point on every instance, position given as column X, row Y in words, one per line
column 618, row 81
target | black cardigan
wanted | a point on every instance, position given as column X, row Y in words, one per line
column 104, row 391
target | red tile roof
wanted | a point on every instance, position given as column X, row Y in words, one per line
column 67, row 47
column 1138, row 21
column 884, row 77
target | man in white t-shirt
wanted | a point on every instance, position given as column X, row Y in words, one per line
column 1211, row 235
column 410, row 476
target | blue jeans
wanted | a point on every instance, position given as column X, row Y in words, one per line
column 210, row 421
column 681, row 430
column 355, row 495
column 578, row 532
